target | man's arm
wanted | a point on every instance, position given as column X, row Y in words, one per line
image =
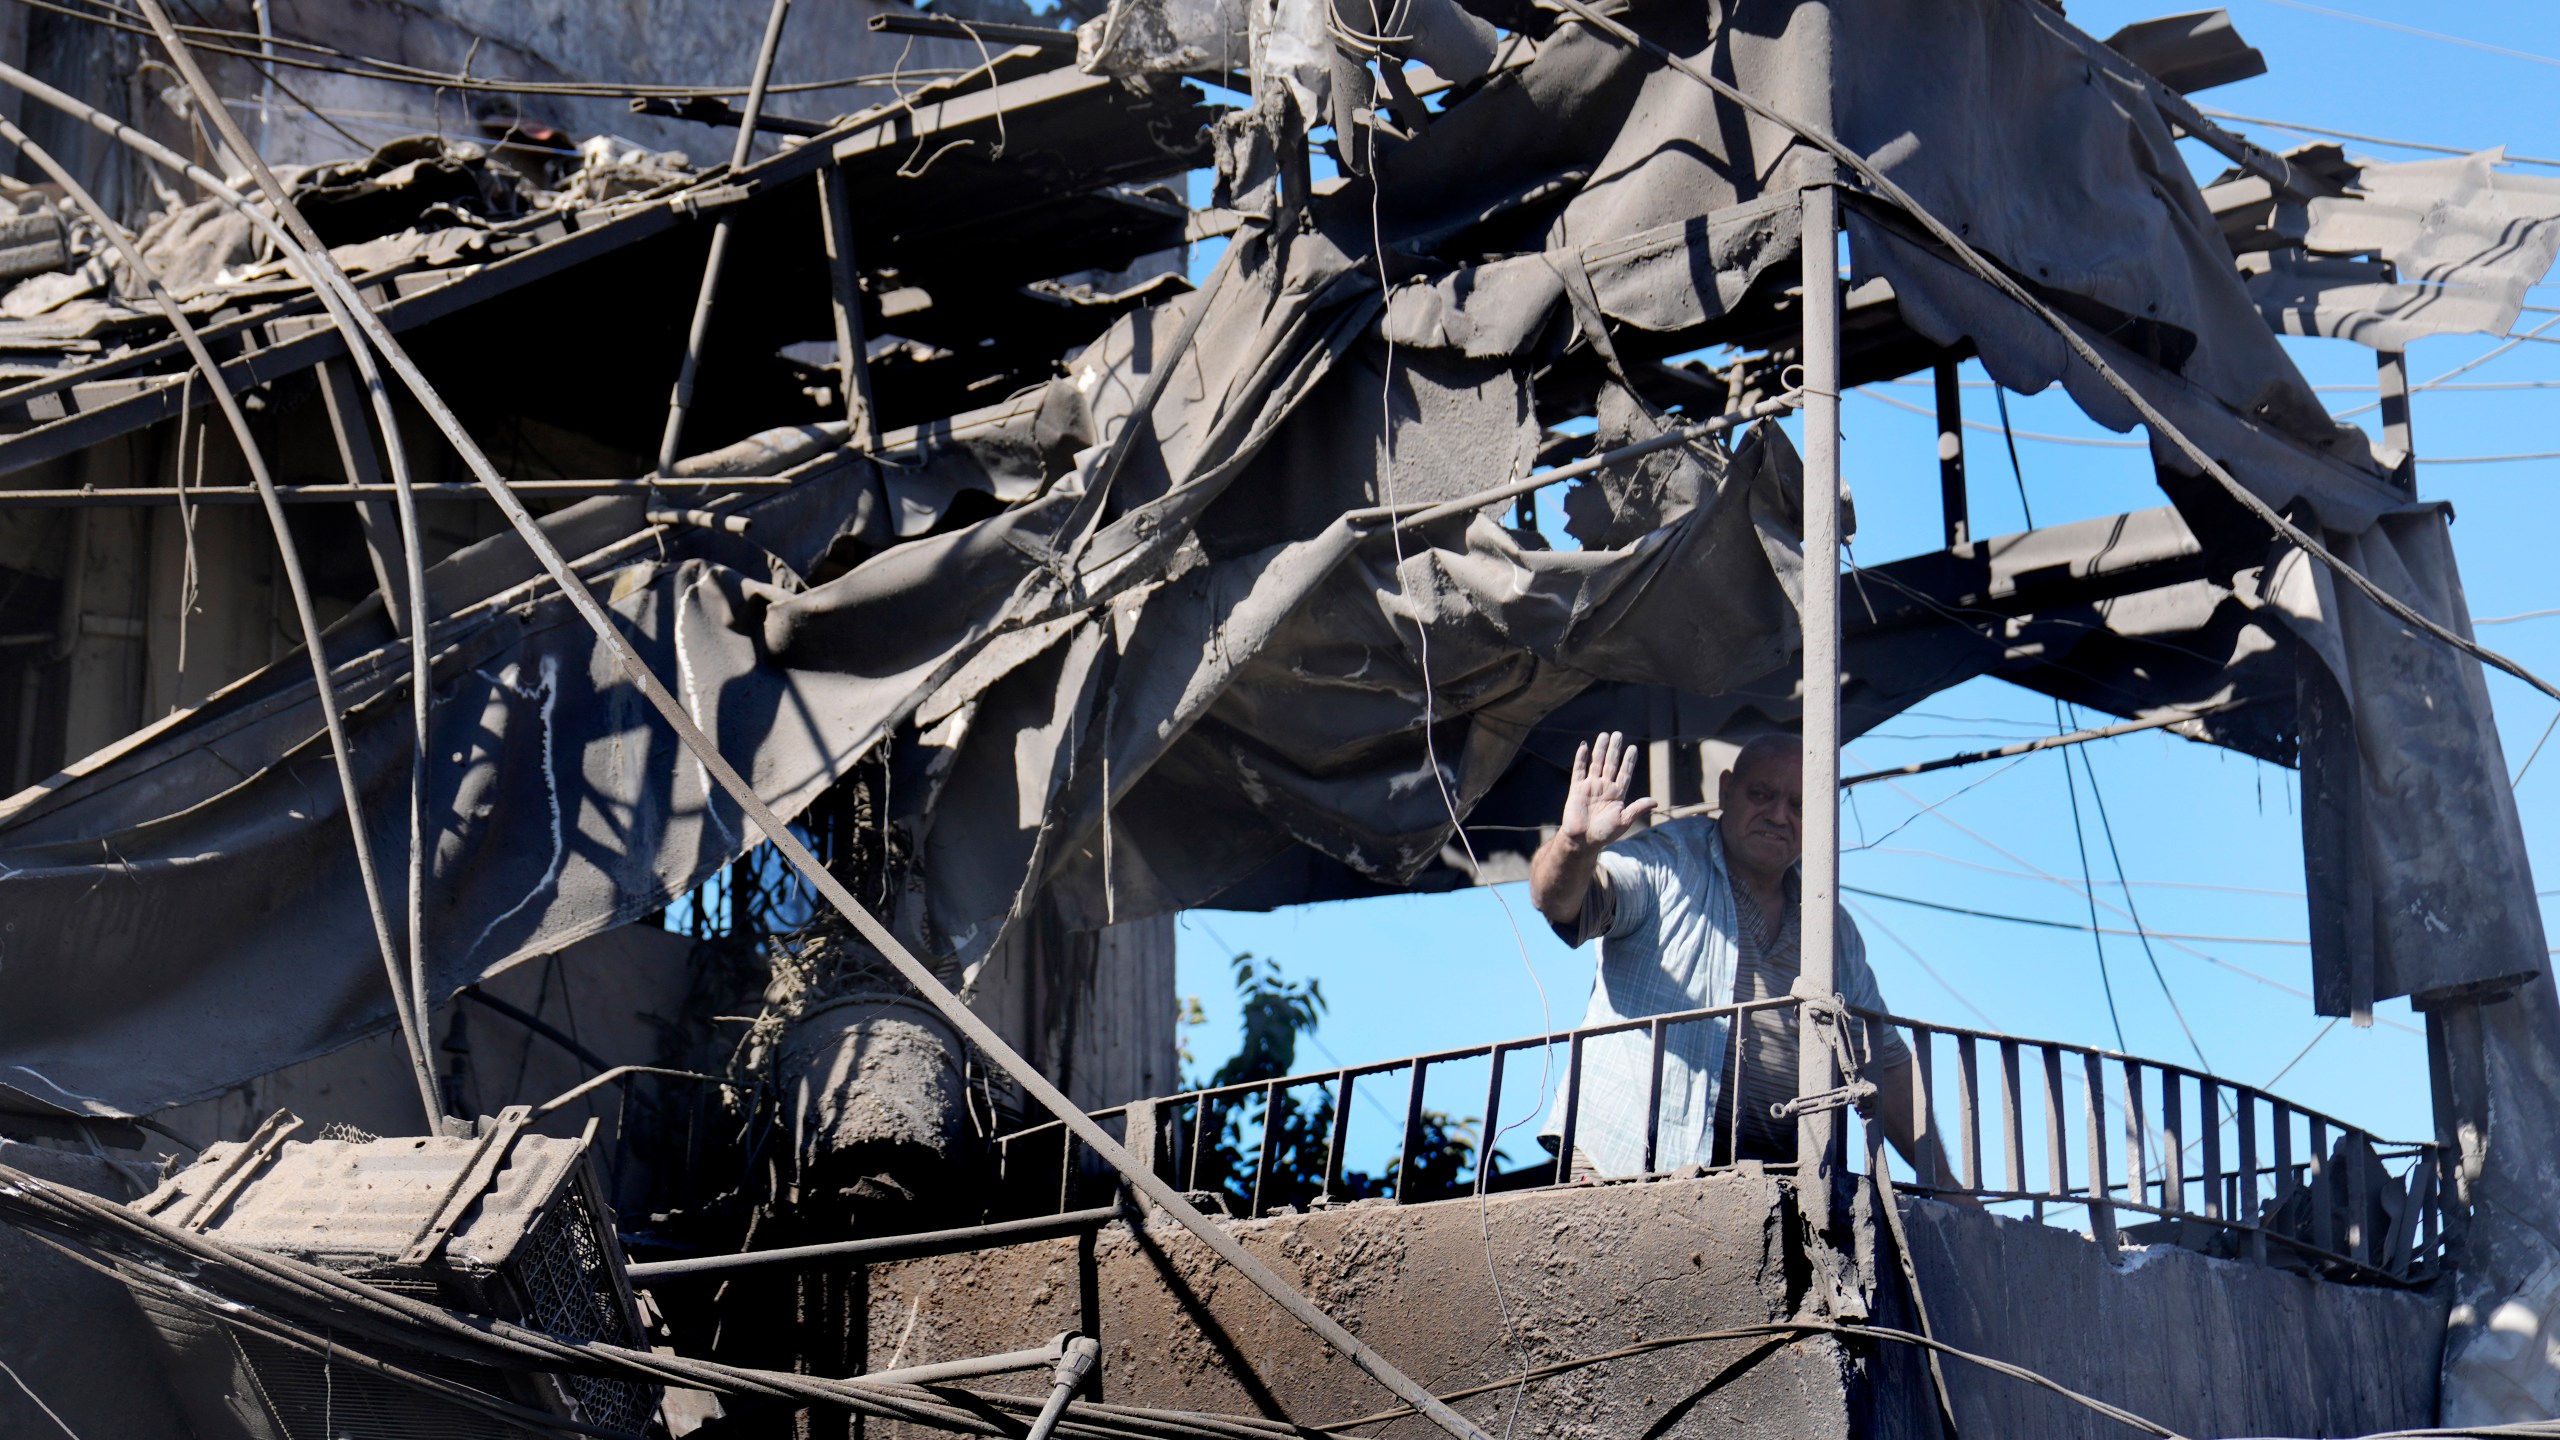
column 1596, row 816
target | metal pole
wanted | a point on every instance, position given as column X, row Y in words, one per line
column 1073, row 1366
column 682, row 400
column 2392, row 378
column 1816, row 1130
column 853, row 363
column 880, row 1250
column 1951, row 496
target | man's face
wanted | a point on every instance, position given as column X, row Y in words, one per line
column 1763, row 819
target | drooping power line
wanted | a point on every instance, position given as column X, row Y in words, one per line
column 2469, row 44
column 2365, row 139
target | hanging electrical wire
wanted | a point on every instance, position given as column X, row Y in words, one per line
column 1941, row 855
column 2072, row 925
column 2096, row 443
column 1987, row 427
column 2178, row 945
column 2393, row 25
column 2465, row 368
column 2106, row 827
column 2537, row 751
column 1868, row 917
column 2080, row 839
column 2302, row 129
column 2017, row 472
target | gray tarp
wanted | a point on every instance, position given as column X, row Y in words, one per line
column 183, row 911
column 1201, row 633
column 2418, row 880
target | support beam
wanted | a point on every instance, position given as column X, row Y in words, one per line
column 1951, row 496
column 853, row 361
column 1817, row 1130
column 373, row 511
column 681, row 401
column 2392, row 374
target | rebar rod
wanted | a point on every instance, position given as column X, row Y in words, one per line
column 682, row 400
column 403, row 488
column 881, row 1248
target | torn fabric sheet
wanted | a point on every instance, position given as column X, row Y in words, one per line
column 2418, row 878
column 186, row 907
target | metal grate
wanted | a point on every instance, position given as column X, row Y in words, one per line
column 569, row 1292
column 313, row 1400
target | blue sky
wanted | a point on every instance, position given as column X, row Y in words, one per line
column 2209, row 838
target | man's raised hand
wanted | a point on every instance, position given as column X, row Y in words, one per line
column 1596, row 810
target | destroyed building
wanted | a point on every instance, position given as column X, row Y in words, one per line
column 608, row 709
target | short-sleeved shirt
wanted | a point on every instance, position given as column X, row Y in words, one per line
column 1671, row 939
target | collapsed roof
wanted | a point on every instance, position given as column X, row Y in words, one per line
column 1155, row 600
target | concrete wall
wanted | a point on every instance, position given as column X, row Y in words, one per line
column 2204, row 1346
column 1580, row 1272
column 2207, row 1347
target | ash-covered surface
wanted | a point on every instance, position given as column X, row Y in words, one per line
column 2209, row 1347
column 2204, row 1346
column 1581, row 1272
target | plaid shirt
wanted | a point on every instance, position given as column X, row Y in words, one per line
column 1667, row 925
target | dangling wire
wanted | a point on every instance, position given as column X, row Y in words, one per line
column 2000, row 393
column 2089, row 890
column 1448, row 798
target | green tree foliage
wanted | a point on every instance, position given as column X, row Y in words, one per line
column 1277, row 1013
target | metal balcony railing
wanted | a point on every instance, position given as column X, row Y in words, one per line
column 2079, row 1134
column 2195, row 1149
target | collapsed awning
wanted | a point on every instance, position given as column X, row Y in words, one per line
column 1192, row 645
